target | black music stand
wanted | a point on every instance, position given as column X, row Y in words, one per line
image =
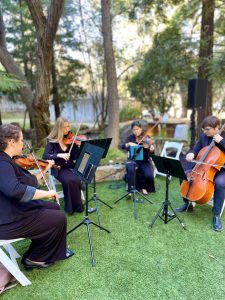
column 104, row 144
column 133, row 191
column 85, row 168
column 170, row 167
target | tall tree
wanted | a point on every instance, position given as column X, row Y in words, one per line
column 112, row 129
column 206, row 55
column 46, row 27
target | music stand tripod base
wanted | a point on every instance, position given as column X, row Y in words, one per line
column 95, row 198
column 85, row 168
column 170, row 167
column 133, row 192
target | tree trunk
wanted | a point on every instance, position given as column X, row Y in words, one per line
column 205, row 55
column 46, row 28
column 55, row 93
column 0, row 117
column 112, row 129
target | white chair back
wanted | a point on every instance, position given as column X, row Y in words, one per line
column 171, row 150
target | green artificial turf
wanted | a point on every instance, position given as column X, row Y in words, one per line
column 134, row 261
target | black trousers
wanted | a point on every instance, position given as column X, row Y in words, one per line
column 140, row 174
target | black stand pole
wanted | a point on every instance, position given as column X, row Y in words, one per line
column 86, row 221
column 95, row 198
column 133, row 191
column 164, row 208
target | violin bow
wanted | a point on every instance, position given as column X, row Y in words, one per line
column 74, row 138
column 39, row 167
column 204, row 163
column 149, row 130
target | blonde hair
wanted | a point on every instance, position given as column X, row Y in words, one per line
column 56, row 135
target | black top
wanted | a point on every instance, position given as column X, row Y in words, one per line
column 51, row 151
column 205, row 141
column 131, row 138
column 17, row 188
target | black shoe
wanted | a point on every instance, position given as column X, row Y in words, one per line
column 69, row 253
column 217, row 223
column 30, row 265
column 185, row 207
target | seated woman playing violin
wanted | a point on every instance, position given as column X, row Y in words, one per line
column 146, row 182
column 22, row 214
column 210, row 133
column 61, row 149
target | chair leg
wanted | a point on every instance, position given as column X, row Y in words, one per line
column 13, row 269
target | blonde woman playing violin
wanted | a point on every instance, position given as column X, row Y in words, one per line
column 64, row 156
column 145, row 183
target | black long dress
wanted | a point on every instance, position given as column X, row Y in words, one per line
column 70, row 182
column 21, row 217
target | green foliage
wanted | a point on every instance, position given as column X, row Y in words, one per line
column 167, row 63
column 8, row 83
column 130, row 113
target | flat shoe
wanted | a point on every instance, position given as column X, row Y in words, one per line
column 30, row 265
column 69, row 253
column 144, row 192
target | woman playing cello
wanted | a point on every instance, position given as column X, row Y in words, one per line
column 210, row 128
column 64, row 156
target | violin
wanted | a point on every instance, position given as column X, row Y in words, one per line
column 28, row 163
column 68, row 139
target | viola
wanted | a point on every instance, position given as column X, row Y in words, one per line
column 28, row 163
column 68, row 139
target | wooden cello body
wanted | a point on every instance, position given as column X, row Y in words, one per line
column 200, row 185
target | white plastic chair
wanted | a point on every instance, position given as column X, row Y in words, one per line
column 53, row 181
column 9, row 261
column 166, row 152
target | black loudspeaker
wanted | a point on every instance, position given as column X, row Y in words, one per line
column 197, row 93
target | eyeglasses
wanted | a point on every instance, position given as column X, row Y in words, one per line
column 206, row 129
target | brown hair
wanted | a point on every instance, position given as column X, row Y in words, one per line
column 211, row 121
column 7, row 133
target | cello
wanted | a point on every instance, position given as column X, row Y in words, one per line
column 199, row 187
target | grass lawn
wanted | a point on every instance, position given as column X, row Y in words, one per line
column 133, row 261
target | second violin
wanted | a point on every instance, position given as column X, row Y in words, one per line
column 68, row 139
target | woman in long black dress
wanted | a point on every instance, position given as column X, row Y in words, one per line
column 57, row 150
column 145, row 183
column 22, row 215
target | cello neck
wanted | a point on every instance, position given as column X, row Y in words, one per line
column 211, row 144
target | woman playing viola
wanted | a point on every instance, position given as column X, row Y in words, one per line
column 58, row 150
column 210, row 129
column 146, row 182
column 22, row 214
